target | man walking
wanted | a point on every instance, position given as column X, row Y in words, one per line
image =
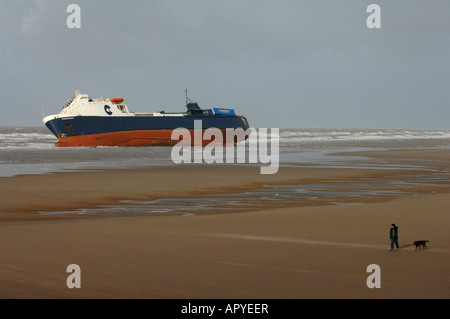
column 393, row 235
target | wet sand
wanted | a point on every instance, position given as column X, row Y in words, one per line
column 290, row 249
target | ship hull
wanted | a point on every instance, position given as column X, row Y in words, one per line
column 142, row 130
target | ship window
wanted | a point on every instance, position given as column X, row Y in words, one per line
column 121, row 107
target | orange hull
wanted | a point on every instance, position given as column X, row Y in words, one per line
column 135, row 138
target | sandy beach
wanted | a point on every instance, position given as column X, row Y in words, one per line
column 292, row 248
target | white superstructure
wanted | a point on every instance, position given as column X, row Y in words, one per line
column 83, row 105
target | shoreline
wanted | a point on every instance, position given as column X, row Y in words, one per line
column 301, row 247
column 24, row 196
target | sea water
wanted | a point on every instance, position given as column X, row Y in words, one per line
column 31, row 150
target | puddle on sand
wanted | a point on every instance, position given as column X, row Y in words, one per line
column 274, row 194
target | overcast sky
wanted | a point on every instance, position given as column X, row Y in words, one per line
column 284, row 63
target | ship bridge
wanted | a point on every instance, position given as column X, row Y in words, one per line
column 82, row 105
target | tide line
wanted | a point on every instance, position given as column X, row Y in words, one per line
column 301, row 241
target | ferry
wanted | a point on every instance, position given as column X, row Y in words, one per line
column 85, row 121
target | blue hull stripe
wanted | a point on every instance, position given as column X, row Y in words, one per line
column 86, row 125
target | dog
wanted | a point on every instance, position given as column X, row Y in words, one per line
column 421, row 243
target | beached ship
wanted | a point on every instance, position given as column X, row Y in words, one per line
column 84, row 121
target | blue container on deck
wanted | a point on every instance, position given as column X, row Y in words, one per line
column 218, row 111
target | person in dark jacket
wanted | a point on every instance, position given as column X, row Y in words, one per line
column 393, row 235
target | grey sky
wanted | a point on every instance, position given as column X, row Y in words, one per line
column 286, row 63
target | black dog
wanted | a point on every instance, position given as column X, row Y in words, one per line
column 422, row 243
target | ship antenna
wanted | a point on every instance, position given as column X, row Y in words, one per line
column 188, row 100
